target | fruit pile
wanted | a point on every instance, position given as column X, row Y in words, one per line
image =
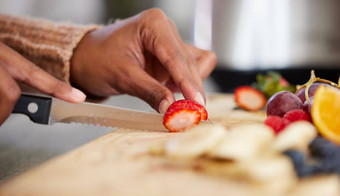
column 254, row 97
column 290, row 132
column 285, row 107
column 252, row 153
column 324, row 158
column 317, row 101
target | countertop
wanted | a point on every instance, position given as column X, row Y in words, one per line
column 24, row 144
column 120, row 163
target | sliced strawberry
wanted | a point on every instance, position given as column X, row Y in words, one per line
column 277, row 123
column 295, row 115
column 185, row 102
column 204, row 113
column 249, row 98
column 201, row 109
column 183, row 114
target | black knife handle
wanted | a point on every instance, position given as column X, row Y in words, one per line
column 35, row 107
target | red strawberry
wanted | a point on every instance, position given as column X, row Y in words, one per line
column 277, row 123
column 249, row 98
column 298, row 114
column 201, row 109
column 183, row 114
column 283, row 82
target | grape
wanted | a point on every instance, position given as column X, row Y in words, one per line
column 282, row 102
column 308, row 107
column 311, row 91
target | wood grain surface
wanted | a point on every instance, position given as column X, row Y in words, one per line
column 119, row 164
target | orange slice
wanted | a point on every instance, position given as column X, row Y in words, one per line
column 326, row 112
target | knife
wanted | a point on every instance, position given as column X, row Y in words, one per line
column 47, row 110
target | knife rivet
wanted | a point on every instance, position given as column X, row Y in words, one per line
column 32, row 107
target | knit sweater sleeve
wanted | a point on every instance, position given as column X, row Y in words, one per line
column 49, row 45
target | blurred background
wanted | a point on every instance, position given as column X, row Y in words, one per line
column 248, row 36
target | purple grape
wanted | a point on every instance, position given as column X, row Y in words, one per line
column 282, row 102
column 311, row 91
column 308, row 107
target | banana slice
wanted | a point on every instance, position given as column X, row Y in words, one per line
column 157, row 148
column 274, row 173
column 295, row 136
column 318, row 185
column 195, row 142
column 244, row 142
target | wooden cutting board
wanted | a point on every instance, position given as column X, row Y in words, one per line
column 119, row 164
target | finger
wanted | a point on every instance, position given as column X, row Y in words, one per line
column 26, row 72
column 9, row 94
column 136, row 82
column 155, row 68
column 206, row 60
column 157, row 38
column 170, row 84
column 192, row 64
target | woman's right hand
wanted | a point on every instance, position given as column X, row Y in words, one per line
column 142, row 56
column 14, row 67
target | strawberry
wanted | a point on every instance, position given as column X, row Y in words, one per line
column 184, row 114
column 283, row 82
column 249, row 98
column 201, row 109
column 271, row 83
column 277, row 123
column 298, row 114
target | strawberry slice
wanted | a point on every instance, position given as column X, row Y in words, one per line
column 199, row 107
column 203, row 112
column 184, row 114
column 249, row 98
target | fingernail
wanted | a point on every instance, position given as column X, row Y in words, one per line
column 163, row 106
column 199, row 99
column 78, row 95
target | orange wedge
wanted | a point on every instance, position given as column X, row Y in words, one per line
column 326, row 112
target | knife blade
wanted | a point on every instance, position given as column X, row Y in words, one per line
column 47, row 110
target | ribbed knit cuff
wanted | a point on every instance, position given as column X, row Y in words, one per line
column 49, row 45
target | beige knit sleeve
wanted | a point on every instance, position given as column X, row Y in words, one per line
column 49, row 45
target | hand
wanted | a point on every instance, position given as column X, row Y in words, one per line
column 14, row 67
column 141, row 56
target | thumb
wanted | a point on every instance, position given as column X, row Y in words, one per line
column 25, row 71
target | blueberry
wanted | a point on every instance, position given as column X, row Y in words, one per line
column 327, row 153
column 322, row 148
column 308, row 170
column 338, row 168
column 304, row 168
column 297, row 157
column 326, row 167
column 324, row 159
